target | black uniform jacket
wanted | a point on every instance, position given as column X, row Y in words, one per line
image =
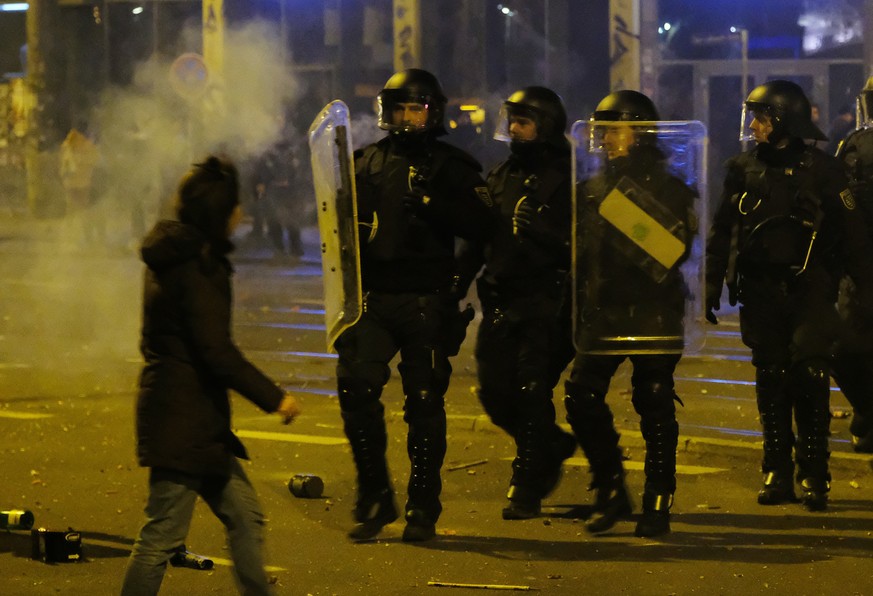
column 856, row 151
column 514, row 260
column 770, row 197
column 183, row 410
column 405, row 250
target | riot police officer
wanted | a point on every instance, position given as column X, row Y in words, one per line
column 852, row 366
column 786, row 230
column 632, row 307
column 415, row 195
column 523, row 342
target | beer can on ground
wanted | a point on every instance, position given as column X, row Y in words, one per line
column 306, row 486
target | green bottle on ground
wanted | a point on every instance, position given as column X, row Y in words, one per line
column 16, row 519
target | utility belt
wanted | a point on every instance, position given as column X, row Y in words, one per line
column 815, row 278
column 757, row 271
column 551, row 284
column 523, row 298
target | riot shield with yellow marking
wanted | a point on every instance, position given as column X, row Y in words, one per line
column 639, row 218
column 333, row 175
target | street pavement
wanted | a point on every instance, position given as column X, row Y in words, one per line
column 68, row 367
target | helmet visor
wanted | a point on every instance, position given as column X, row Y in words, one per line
column 864, row 110
column 517, row 123
column 756, row 123
column 615, row 138
column 404, row 112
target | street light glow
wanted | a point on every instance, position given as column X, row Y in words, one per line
column 137, row 10
column 506, row 10
column 13, row 7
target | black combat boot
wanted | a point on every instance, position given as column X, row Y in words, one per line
column 524, row 503
column 592, row 422
column 426, row 446
column 372, row 513
column 778, row 488
column 850, row 370
column 560, row 448
column 419, row 526
column 611, row 504
column 661, row 434
column 813, row 417
column 527, row 484
column 540, row 448
column 774, row 409
column 814, row 494
column 656, row 515
column 375, row 507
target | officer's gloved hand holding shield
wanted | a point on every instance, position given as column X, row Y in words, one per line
column 529, row 220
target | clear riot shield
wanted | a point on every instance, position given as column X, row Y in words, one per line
column 333, row 175
column 639, row 219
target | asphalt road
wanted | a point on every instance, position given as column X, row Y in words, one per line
column 68, row 366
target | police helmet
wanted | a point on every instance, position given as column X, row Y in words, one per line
column 788, row 108
column 864, row 106
column 626, row 105
column 412, row 85
column 544, row 107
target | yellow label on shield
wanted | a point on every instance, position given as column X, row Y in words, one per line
column 641, row 228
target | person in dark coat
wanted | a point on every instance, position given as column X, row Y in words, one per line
column 183, row 410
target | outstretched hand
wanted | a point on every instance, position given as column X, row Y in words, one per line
column 288, row 409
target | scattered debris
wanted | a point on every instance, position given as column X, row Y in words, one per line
column 471, row 464
column 438, row 584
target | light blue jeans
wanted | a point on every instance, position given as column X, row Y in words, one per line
column 172, row 495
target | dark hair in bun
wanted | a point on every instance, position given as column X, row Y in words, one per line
column 206, row 198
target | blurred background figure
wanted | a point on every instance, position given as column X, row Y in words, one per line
column 79, row 158
column 278, row 199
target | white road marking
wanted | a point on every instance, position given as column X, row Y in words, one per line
column 581, row 462
column 23, row 415
column 291, row 437
column 86, row 542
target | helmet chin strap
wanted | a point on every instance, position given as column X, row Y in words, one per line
column 408, row 140
column 527, row 149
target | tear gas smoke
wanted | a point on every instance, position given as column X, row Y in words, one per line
column 72, row 310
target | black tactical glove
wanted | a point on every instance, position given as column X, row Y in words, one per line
column 416, row 201
column 529, row 220
column 456, row 329
column 713, row 302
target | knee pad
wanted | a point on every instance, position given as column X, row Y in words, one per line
column 810, row 378
column 356, row 394
column 422, row 404
column 770, row 376
column 579, row 401
column 654, row 399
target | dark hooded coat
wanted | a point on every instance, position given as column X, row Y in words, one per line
column 191, row 361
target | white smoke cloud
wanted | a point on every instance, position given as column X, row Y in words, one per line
column 79, row 330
